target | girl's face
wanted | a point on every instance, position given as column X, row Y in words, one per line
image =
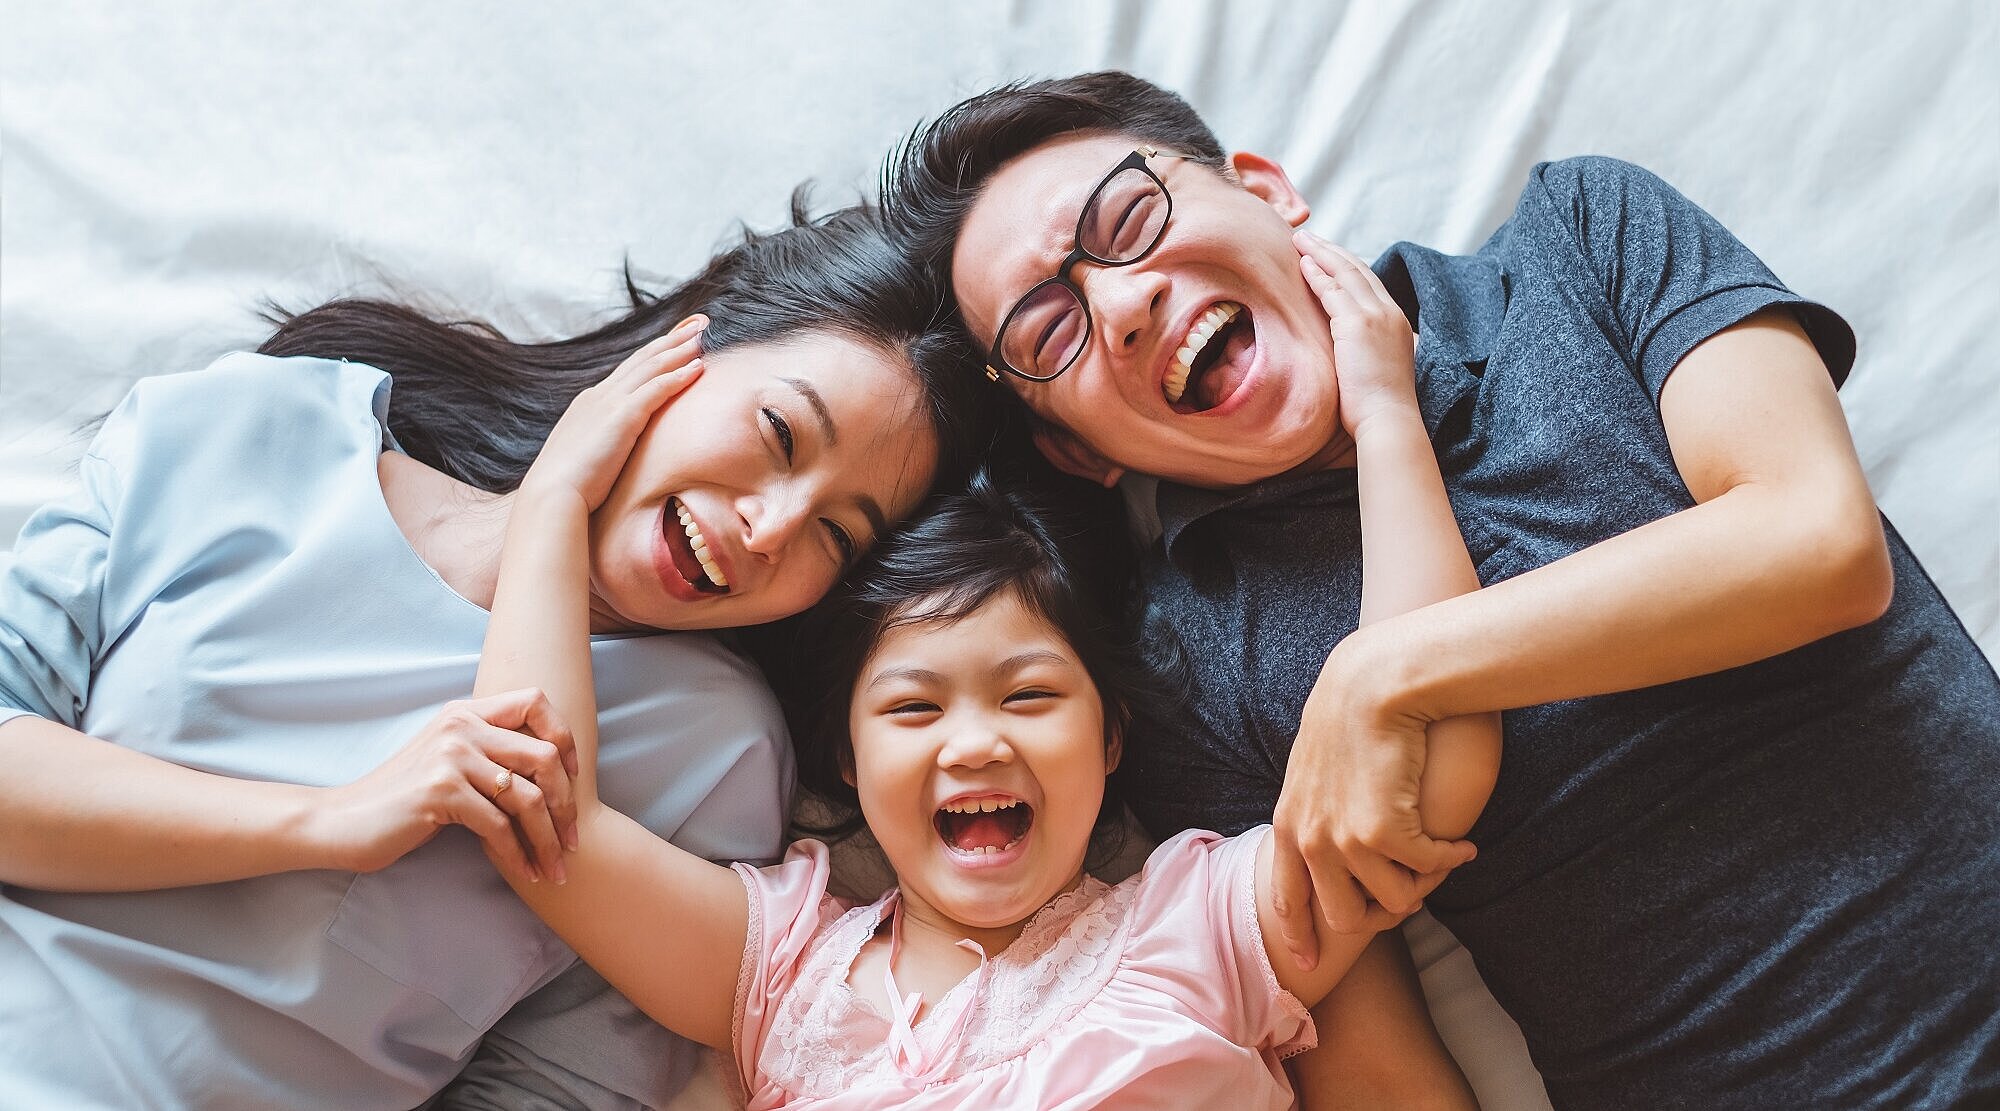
column 979, row 757
column 749, row 493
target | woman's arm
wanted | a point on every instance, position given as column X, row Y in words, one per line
column 82, row 814
column 663, row 926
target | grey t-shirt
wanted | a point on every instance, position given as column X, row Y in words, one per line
column 1775, row 886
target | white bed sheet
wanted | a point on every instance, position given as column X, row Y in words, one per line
column 164, row 167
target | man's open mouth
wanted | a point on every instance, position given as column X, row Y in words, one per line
column 1223, row 337
column 689, row 549
column 976, row 827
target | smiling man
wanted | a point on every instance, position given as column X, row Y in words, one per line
column 1742, row 851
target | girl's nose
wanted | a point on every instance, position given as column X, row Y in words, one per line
column 975, row 744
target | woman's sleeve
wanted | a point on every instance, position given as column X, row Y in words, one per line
column 53, row 610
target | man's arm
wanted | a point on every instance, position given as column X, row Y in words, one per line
column 1784, row 546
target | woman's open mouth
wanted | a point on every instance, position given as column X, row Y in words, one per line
column 1212, row 360
column 983, row 827
column 688, row 549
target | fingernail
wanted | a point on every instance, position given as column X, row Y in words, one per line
column 562, row 874
column 534, row 875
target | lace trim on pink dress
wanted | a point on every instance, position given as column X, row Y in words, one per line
column 1243, row 896
column 826, row 1041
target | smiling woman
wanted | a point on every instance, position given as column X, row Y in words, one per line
column 234, row 667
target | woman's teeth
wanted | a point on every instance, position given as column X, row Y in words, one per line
column 700, row 545
column 1205, row 326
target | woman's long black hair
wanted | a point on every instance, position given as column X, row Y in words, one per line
column 478, row 406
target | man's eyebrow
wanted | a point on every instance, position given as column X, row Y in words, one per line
column 818, row 403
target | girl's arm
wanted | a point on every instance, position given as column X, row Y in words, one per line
column 663, row 926
column 1412, row 556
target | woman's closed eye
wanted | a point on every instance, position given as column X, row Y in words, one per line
column 844, row 544
column 782, row 429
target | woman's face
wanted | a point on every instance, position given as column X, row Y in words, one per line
column 749, row 493
column 980, row 753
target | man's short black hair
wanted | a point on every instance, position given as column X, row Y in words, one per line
column 931, row 181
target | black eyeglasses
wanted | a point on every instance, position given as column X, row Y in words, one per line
column 1122, row 221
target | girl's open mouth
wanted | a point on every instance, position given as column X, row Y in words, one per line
column 983, row 826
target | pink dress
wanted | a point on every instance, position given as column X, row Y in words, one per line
column 1153, row 993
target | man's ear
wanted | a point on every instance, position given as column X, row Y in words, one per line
column 1072, row 456
column 1266, row 180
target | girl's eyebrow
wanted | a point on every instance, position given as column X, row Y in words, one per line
column 1012, row 663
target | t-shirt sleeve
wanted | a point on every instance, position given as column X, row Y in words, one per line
column 788, row 904
column 1195, row 926
column 52, row 588
column 1668, row 274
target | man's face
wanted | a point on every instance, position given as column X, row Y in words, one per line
column 1261, row 398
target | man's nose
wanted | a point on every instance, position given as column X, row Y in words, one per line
column 1127, row 302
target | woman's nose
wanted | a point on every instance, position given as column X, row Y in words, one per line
column 773, row 519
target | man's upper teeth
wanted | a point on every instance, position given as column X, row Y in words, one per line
column 1204, row 327
column 700, row 544
column 977, row 806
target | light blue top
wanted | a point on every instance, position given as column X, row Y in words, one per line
column 228, row 591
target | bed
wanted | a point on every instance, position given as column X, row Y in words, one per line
column 166, row 169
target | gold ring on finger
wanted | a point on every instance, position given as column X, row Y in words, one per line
column 502, row 782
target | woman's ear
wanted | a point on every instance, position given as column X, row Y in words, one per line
column 1114, row 742
column 1266, row 180
column 1072, row 456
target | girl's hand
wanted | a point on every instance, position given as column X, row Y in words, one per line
column 494, row 765
column 594, row 438
column 1374, row 350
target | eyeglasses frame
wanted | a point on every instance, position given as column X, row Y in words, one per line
column 995, row 361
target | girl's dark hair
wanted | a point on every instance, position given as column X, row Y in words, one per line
column 1069, row 565
column 931, row 181
column 478, row 406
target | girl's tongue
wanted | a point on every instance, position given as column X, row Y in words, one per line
column 984, row 831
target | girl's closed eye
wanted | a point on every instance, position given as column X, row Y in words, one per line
column 912, row 707
column 1031, row 695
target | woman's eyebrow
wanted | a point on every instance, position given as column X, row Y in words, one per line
column 808, row 391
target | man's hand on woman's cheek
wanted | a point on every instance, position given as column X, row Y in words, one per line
column 1347, row 830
